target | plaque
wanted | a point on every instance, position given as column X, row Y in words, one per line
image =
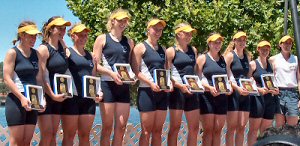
column 162, row 79
column 249, row 85
column 91, row 86
column 220, row 82
column 63, row 85
column 268, row 81
column 125, row 72
column 193, row 83
column 36, row 96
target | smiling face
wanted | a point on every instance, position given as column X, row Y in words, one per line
column 80, row 38
column 28, row 40
column 240, row 43
column 286, row 46
column 155, row 31
column 264, row 51
column 58, row 31
column 120, row 24
column 185, row 36
column 215, row 46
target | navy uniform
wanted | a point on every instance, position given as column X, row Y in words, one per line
column 263, row 106
column 240, row 69
column 148, row 100
column 114, row 52
column 79, row 66
column 183, row 64
column 208, row 103
column 56, row 63
column 26, row 70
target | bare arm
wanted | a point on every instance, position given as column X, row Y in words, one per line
column 8, row 73
column 137, row 54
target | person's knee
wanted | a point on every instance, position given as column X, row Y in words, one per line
column 107, row 128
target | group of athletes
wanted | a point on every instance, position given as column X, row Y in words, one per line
column 25, row 65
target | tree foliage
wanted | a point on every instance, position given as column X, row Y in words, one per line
column 261, row 20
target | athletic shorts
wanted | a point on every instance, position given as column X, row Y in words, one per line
column 183, row 101
column 52, row 107
column 270, row 106
column 78, row 106
column 115, row 93
column 288, row 99
column 148, row 100
column 17, row 115
column 237, row 102
column 213, row 105
column 257, row 106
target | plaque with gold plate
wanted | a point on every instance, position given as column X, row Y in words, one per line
column 63, row 85
column 91, row 86
column 220, row 82
column 193, row 83
column 249, row 85
column 125, row 72
column 268, row 81
column 162, row 79
column 36, row 96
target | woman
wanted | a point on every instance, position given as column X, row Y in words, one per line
column 53, row 60
column 112, row 48
column 151, row 102
column 237, row 59
column 79, row 112
column 263, row 106
column 286, row 71
column 213, row 105
column 20, row 67
column 181, row 58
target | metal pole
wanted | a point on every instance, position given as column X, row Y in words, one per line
column 286, row 11
column 296, row 27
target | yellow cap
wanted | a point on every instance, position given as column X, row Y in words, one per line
column 239, row 34
column 186, row 28
column 263, row 43
column 120, row 15
column 79, row 28
column 214, row 37
column 285, row 38
column 156, row 21
column 29, row 29
column 58, row 22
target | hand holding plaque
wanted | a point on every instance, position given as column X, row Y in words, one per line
column 63, row 85
column 249, row 85
column 162, row 79
column 268, row 81
column 91, row 86
column 193, row 83
column 220, row 82
column 125, row 72
column 36, row 96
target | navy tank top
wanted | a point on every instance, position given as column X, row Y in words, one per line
column 183, row 64
column 239, row 67
column 151, row 59
column 114, row 52
column 212, row 67
column 259, row 71
column 80, row 66
column 57, row 61
column 25, row 68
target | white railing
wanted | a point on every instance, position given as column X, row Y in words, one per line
column 131, row 137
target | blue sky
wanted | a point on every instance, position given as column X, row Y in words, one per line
column 12, row 12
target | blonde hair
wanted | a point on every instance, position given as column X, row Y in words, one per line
column 176, row 27
column 45, row 31
column 231, row 47
column 22, row 24
column 109, row 24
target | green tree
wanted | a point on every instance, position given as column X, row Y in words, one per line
column 261, row 20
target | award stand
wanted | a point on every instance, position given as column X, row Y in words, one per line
column 125, row 71
column 162, row 79
column 268, row 81
column 36, row 96
column 63, row 85
column 91, row 86
column 249, row 85
column 220, row 82
column 194, row 83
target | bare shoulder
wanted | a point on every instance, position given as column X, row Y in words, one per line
column 139, row 48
